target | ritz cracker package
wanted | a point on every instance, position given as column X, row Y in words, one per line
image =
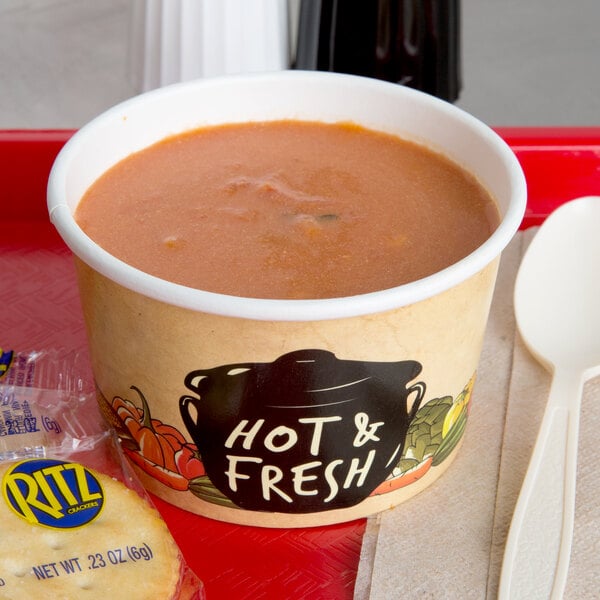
column 75, row 522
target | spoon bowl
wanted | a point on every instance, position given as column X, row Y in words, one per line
column 557, row 291
column 557, row 308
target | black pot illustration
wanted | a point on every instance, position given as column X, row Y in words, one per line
column 305, row 433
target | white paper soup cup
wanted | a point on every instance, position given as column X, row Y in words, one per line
column 205, row 372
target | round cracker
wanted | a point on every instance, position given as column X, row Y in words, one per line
column 126, row 551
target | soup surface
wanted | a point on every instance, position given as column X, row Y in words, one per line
column 288, row 209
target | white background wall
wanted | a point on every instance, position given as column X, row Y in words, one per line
column 525, row 62
column 532, row 62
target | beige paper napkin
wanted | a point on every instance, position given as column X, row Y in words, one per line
column 448, row 541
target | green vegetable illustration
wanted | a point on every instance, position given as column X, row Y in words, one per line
column 433, row 434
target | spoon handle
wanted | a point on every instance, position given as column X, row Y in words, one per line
column 538, row 548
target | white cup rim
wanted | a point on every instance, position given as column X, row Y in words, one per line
column 61, row 215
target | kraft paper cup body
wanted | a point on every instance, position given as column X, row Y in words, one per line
column 286, row 413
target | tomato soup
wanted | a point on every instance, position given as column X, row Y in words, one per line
column 288, row 209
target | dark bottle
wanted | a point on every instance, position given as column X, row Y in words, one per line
column 412, row 42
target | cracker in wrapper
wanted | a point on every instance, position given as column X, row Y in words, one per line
column 74, row 520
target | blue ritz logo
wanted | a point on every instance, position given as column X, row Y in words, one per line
column 5, row 360
column 53, row 493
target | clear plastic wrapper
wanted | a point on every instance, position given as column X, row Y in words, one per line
column 74, row 519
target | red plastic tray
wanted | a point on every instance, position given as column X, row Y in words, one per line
column 40, row 309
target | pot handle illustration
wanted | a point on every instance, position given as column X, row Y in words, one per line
column 184, row 409
column 419, row 388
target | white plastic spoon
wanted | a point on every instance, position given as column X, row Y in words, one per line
column 557, row 307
